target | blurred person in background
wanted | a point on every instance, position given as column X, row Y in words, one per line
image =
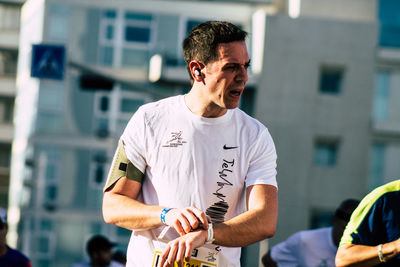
column 119, row 256
column 312, row 248
column 9, row 257
column 372, row 236
column 99, row 251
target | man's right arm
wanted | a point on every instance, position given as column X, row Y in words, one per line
column 121, row 208
column 360, row 255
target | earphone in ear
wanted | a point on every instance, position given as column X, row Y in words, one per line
column 197, row 72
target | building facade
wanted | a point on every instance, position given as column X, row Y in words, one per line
column 317, row 99
column 68, row 125
column 9, row 32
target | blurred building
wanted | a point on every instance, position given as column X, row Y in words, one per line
column 317, row 98
column 9, row 31
column 329, row 95
column 385, row 149
column 324, row 79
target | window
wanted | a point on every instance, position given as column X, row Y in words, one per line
column 5, row 155
column 125, row 38
column 377, row 165
column 137, row 27
column 8, row 62
column 9, row 17
column 51, row 157
column 326, row 152
column 388, row 12
column 137, row 34
column 104, row 104
column 381, row 97
column 98, row 169
column 330, row 79
column 6, row 109
column 101, row 111
column 321, row 218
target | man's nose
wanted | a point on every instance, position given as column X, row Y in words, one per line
column 241, row 73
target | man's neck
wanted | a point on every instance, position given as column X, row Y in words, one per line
column 199, row 105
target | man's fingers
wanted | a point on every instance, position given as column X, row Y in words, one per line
column 172, row 254
column 184, row 220
column 164, row 257
column 192, row 219
column 188, row 252
column 188, row 219
column 180, row 253
column 201, row 217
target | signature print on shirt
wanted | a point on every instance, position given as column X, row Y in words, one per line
column 218, row 210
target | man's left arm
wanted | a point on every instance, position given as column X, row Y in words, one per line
column 257, row 223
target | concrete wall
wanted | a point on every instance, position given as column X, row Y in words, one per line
column 289, row 103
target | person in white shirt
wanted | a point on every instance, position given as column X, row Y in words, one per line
column 186, row 165
column 312, row 248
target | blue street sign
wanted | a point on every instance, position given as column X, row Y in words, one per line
column 48, row 61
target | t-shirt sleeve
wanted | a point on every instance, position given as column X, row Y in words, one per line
column 262, row 168
column 365, row 225
column 134, row 141
column 285, row 253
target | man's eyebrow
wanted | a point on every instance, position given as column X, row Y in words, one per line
column 238, row 64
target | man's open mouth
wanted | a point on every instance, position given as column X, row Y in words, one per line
column 235, row 92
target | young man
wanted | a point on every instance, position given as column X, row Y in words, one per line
column 372, row 236
column 9, row 257
column 187, row 164
column 312, row 248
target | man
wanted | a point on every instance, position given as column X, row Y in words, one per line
column 372, row 236
column 9, row 257
column 201, row 156
column 99, row 251
column 312, row 248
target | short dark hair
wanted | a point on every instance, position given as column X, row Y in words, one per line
column 346, row 208
column 202, row 42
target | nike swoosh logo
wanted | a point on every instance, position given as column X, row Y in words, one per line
column 230, row 147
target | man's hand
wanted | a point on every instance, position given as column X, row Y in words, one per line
column 182, row 247
column 186, row 220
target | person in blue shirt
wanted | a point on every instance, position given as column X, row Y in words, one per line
column 9, row 257
column 372, row 236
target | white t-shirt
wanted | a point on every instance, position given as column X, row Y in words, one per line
column 311, row 248
column 189, row 160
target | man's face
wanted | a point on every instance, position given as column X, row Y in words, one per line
column 225, row 78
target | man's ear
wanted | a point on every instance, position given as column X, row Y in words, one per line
column 195, row 69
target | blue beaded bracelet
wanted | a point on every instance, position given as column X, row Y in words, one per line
column 162, row 215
